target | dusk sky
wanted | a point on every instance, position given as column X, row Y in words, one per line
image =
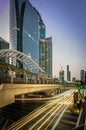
column 65, row 21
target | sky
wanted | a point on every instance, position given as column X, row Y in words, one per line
column 65, row 22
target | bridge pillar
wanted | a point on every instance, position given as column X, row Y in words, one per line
column 11, row 79
column 59, row 91
column 43, row 80
column 47, row 81
column 6, row 96
column 12, row 75
column 26, row 78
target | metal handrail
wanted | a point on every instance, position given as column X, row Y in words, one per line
column 79, row 118
column 85, row 122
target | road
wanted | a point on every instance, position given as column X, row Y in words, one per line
column 47, row 116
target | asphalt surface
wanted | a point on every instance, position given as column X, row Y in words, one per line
column 16, row 111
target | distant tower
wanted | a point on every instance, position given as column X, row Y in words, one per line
column 85, row 76
column 68, row 74
column 82, row 75
column 61, row 75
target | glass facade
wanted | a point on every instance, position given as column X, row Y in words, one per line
column 45, row 54
column 42, row 29
column 24, row 28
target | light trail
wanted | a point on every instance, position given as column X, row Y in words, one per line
column 60, row 116
column 43, row 117
column 53, row 114
column 52, row 107
column 33, row 115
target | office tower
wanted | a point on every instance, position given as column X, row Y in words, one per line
column 26, row 28
column 82, row 75
column 42, row 28
column 68, row 74
column 3, row 44
column 85, row 76
column 61, row 75
column 45, row 55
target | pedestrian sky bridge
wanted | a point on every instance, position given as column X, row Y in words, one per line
column 12, row 71
column 15, row 55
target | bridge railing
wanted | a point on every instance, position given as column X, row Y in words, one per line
column 5, row 80
column 81, row 122
column 19, row 80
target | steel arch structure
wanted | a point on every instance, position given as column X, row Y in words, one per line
column 23, row 58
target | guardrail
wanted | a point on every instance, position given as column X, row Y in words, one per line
column 85, row 121
column 19, row 80
column 81, row 122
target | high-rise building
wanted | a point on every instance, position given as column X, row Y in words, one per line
column 61, row 75
column 82, row 75
column 45, row 55
column 26, row 28
column 42, row 28
column 85, row 76
column 3, row 44
column 28, row 34
column 68, row 74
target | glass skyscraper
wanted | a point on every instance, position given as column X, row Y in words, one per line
column 25, row 24
column 27, row 29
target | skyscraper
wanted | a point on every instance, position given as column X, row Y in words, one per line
column 61, row 75
column 28, row 33
column 42, row 28
column 45, row 55
column 85, row 76
column 25, row 28
column 82, row 75
column 68, row 74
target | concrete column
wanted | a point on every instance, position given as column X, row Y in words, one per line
column 26, row 79
column 43, row 80
column 47, row 81
column 12, row 79
column 38, row 79
column 11, row 75
column 31, row 79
